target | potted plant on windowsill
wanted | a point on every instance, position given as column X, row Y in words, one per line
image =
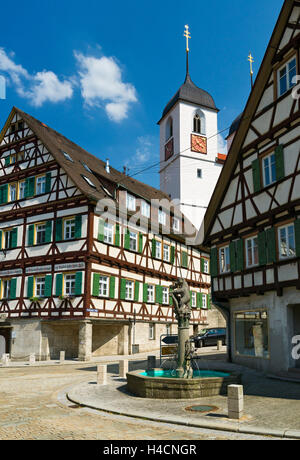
column 35, row 299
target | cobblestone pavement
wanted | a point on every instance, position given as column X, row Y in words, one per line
column 33, row 407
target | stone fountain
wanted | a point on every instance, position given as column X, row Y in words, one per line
column 184, row 382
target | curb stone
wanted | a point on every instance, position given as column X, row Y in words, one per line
column 231, row 427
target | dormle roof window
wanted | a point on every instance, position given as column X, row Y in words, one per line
column 91, row 184
column 67, row 156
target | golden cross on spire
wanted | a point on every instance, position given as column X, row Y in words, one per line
column 187, row 35
column 251, row 60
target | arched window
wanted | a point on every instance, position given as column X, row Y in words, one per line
column 169, row 128
column 199, row 124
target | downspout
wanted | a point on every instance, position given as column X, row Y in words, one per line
column 224, row 307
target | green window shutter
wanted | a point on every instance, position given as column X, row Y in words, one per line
column 208, row 302
column 78, row 283
column 214, row 262
column 78, row 224
column 123, row 289
column 184, row 259
column 240, row 255
column 95, row 290
column 1, row 238
column 14, row 238
column 262, row 251
column 199, row 300
column 13, row 288
column 48, row 183
column 59, row 284
column 172, row 258
column 256, row 175
column 145, row 293
column 279, row 158
column 30, row 282
column 59, row 230
column 158, row 294
column 101, row 230
column 30, row 241
column 112, row 286
column 117, row 235
column 136, row 291
column 202, row 265
column 297, row 236
column 232, row 252
column 48, row 285
column 140, row 243
column 4, row 194
column 29, row 187
column 127, row 239
column 170, row 298
column 153, row 252
column 271, row 245
column 48, row 235
column 7, row 160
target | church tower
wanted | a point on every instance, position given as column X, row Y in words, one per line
column 190, row 163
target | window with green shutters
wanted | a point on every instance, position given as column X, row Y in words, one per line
column 78, row 283
column 267, row 246
column 48, row 285
column 59, row 229
column 4, row 194
column 279, row 159
column 29, row 187
column 127, row 239
column 48, row 183
column 268, row 169
column 256, row 175
column 123, row 289
column 48, row 235
column 59, row 284
column 159, row 294
column 140, row 245
column 172, row 256
column 13, row 288
column 30, row 284
column 112, row 287
column 95, row 289
column 136, row 291
column 153, row 250
column 236, row 249
column 30, row 238
column 78, row 225
column 145, row 292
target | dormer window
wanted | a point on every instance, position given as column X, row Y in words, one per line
column 169, row 129
column 67, row 156
column 88, row 181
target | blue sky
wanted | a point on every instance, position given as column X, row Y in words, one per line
column 101, row 72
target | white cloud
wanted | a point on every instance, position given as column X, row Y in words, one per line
column 38, row 88
column 222, row 144
column 101, row 83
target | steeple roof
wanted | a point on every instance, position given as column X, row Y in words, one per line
column 189, row 92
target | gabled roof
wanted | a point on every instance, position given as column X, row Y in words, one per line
column 244, row 123
column 105, row 183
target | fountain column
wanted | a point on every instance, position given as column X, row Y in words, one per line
column 183, row 337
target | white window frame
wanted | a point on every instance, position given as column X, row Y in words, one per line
column 40, row 229
column 166, row 252
column 206, row 266
column 130, row 202
column 151, row 331
column 7, row 234
column 69, row 229
column 288, row 247
column 151, row 293
column 103, row 286
column 133, row 241
column 193, row 299
column 271, row 161
column 40, row 286
column 22, row 188
column 175, row 224
column 13, row 188
column 288, row 77
column 69, row 284
column 108, row 233
column 226, row 252
column 162, row 217
column 145, row 209
column 40, row 185
column 165, row 296
column 158, row 248
column 6, row 288
column 204, row 301
column 129, row 290
column 252, row 248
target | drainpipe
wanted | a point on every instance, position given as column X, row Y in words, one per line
column 224, row 307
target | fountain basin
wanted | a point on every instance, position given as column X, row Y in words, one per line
column 159, row 384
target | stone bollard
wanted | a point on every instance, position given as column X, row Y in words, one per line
column 123, row 368
column 219, row 345
column 32, row 358
column 151, row 364
column 62, row 356
column 235, row 395
column 5, row 359
column 102, row 374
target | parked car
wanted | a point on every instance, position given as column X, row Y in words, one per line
column 210, row 337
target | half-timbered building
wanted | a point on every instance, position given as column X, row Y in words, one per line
column 252, row 224
column 71, row 279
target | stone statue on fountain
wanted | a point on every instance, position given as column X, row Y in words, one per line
column 181, row 300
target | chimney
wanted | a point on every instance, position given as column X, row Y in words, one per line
column 107, row 169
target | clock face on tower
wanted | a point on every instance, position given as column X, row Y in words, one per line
column 169, row 149
column 198, row 144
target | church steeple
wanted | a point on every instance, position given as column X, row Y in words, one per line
column 187, row 35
